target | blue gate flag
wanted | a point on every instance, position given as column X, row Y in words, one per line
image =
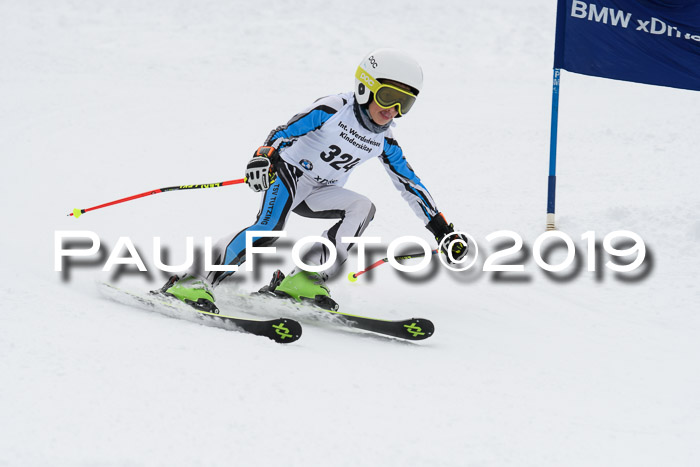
column 645, row 41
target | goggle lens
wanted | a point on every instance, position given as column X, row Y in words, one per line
column 388, row 96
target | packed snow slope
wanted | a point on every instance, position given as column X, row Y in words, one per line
column 101, row 100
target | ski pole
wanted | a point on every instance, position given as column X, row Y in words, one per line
column 79, row 212
column 352, row 277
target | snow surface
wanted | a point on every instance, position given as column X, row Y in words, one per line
column 101, row 100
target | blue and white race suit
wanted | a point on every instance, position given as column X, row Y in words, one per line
column 319, row 148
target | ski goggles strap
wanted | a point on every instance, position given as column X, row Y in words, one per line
column 386, row 95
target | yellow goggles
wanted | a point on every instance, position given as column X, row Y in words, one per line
column 386, row 96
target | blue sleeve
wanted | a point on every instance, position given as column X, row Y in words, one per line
column 407, row 182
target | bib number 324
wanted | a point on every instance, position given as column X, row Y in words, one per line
column 337, row 160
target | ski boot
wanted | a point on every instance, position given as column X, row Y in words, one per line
column 303, row 286
column 191, row 290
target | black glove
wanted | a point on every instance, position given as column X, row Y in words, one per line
column 455, row 245
column 260, row 171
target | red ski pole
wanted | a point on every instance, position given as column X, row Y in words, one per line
column 79, row 212
column 352, row 277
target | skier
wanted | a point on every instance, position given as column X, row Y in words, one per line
column 302, row 167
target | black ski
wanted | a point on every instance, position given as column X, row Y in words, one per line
column 282, row 330
column 414, row 329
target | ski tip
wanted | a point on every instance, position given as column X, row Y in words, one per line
column 352, row 277
column 417, row 329
column 285, row 331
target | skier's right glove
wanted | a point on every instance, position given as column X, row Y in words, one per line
column 456, row 246
column 260, row 171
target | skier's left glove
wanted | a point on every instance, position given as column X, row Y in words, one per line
column 260, row 171
column 456, row 245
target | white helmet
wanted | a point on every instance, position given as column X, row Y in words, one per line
column 387, row 64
